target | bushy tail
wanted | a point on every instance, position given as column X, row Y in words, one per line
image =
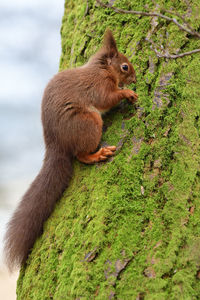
column 35, row 207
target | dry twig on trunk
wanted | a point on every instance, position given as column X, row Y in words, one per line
column 184, row 27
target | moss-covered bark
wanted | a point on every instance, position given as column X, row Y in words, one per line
column 129, row 228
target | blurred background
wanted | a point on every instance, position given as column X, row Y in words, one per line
column 30, row 49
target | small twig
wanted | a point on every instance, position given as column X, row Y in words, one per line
column 178, row 55
column 171, row 56
column 184, row 21
column 87, row 9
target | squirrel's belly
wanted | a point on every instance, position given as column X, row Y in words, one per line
column 94, row 109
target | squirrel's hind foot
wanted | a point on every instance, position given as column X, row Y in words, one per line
column 101, row 155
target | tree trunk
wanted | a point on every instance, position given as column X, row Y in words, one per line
column 129, row 228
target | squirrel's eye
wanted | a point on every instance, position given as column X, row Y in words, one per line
column 125, row 67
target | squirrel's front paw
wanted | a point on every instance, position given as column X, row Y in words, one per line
column 131, row 95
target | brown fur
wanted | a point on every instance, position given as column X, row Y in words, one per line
column 71, row 116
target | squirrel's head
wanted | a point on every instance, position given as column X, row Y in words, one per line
column 118, row 63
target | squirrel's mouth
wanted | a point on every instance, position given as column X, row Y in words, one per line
column 121, row 85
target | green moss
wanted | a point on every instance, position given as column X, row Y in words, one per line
column 129, row 228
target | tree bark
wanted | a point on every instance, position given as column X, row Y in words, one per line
column 129, row 228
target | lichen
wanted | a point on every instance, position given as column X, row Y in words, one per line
column 129, row 228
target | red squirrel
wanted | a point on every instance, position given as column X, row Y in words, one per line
column 72, row 105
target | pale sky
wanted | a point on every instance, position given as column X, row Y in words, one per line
column 30, row 48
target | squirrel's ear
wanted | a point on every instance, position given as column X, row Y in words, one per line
column 110, row 44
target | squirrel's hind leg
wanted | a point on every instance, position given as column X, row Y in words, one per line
column 101, row 155
column 89, row 135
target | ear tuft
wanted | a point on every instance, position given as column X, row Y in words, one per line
column 110, row 44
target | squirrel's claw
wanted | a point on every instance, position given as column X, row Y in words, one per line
column 101, row 155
